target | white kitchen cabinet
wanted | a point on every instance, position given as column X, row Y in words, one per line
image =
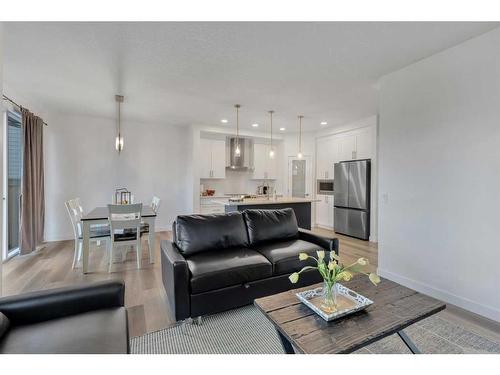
column 264, row 167
column 212, row 158
column 347, row 147
column 327, row 154
column 364, row 145
column 212, row 205
column 324, row 211
column 357, row 145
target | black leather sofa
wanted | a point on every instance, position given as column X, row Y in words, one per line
column 79, row 320
column 219, row 262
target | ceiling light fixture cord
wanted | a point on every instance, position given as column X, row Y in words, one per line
column 300, row 133
column 271, row 113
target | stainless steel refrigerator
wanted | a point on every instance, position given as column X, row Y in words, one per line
column 352, row 198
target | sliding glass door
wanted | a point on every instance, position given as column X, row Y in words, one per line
column 12, row 178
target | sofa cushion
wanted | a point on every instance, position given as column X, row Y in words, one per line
column 101, row 331
column 197, row 233
column 270, row 225
column 226, row 267
column 4, row 325
column 284, row 256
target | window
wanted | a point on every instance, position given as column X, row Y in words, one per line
column 14, row 155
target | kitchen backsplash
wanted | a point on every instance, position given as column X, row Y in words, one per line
column 236, row 182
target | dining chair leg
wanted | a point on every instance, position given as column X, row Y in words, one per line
column 110, row 260
column 139, row 249
column 76, row 255
column 150, row 252
column 80, row 250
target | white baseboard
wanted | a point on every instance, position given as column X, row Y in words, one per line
column 465, row 303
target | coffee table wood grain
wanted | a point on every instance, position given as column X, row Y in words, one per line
column 302, row 331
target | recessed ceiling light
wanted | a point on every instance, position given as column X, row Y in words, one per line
column 224, row 121
column 282, row 129
column 255, row 125
column 323, row 123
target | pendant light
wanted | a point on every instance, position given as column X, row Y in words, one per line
column 271, row 151
column 237, row 151
column 119, row 137
column 299, row 154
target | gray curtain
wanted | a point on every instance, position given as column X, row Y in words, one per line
column 33, row 195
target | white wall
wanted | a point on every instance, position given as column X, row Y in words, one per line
column 81, row 161
column 439, row 173
column 1, row 152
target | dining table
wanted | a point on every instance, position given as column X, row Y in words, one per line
column 99, row 215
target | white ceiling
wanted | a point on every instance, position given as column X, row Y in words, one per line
column 185, row 73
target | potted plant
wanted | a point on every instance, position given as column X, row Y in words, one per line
column 333, row 272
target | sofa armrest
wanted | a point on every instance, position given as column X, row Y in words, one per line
column 329, row 244
column 57, row 303
column 175, row 276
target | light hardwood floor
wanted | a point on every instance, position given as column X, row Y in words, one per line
column 145, row 297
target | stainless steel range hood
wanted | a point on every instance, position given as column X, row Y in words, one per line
column 243, row 162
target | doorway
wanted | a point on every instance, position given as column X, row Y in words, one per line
column 299, row 177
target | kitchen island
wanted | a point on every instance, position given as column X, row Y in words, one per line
column 301, row 207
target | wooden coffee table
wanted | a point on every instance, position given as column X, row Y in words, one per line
column 395, row 307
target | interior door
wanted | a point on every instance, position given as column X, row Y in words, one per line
column 299, row 177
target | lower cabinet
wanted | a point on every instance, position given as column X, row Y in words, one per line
column 212, row 205
column 324, row 211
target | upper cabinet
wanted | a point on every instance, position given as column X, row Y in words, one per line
column 364, row 144
column 264, row 167
column 327, row 155
column 212, row 158
column 356, row 144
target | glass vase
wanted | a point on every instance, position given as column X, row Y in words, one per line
column 329, row 303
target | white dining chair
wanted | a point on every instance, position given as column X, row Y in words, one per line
column 98, row 233
column 125, row 226
column 155, row 205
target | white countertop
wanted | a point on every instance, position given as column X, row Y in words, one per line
column 264, row 201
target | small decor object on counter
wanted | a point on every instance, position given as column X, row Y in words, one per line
column 332, row 273
column 122, row 196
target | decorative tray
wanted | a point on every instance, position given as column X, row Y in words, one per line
column 348, row 302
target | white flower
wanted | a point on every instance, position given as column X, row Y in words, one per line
column 294, row 277
column 345, row 275
column 362, row 261
column 303, row 256
column 321, row 255
column 331, row 265
column 374, row 278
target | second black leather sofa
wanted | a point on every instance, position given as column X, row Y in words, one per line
column 220, row 262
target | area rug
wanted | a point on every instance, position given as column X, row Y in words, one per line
column 247, row 331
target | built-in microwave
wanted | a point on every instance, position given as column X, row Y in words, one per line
column 324, row 187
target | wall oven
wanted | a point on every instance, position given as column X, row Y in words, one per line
column 324, row 187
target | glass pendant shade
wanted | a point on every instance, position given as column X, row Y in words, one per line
column 119, row 143
column 237, row 151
